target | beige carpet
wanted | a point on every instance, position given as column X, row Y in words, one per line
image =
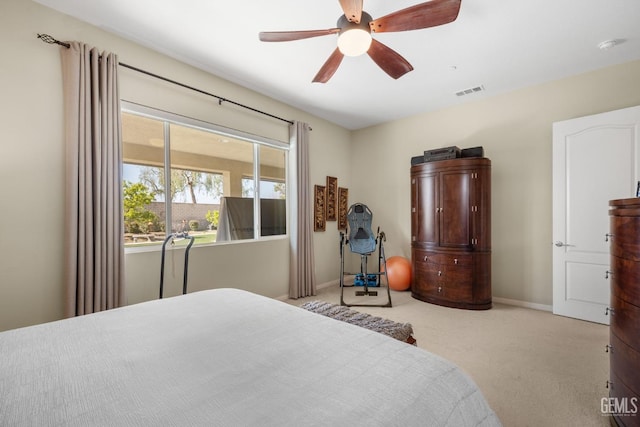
column 534, row 368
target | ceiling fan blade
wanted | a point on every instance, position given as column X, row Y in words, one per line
column 352, row 10
column 423, row 15
column 388, row 59
column 286, row 36
column 329, row 68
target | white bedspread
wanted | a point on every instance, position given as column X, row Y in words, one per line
column 226, row 357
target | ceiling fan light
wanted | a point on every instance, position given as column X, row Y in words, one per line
column 354, row 42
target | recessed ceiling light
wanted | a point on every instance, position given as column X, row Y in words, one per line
column 608, row 44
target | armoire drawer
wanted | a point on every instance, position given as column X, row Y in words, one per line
column 452, row 274
column 427, row 257
column 425, row 275
column 439, row 289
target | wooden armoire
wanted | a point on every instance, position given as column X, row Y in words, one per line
column 624, row 312
column 451, row 232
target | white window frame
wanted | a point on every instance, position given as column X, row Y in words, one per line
column 256, row 140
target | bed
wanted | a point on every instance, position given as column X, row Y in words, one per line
column 226, row 357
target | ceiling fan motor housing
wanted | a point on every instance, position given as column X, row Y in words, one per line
column 345, row 25
column 354, row 38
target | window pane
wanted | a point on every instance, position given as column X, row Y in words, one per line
column 205, row 167
column 143, row 158
column 273, row 207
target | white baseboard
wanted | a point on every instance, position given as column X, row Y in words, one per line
column 506, row 301
column 525, row 304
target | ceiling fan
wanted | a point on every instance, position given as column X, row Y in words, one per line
column 355, row 28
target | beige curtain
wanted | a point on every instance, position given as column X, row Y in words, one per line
column 302, row 279
column 94, row 274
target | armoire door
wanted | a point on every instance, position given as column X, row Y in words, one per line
column 424, row 199
column 455, row 209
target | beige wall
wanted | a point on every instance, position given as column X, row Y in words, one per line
column 32, row 169
column 515, row 130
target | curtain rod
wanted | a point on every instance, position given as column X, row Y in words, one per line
column 49, row 39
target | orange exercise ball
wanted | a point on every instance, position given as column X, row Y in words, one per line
column 398, row 273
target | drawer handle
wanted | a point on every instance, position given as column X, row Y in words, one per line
column 439, row 273
column 608, row 236
column 609, row 311
column 439, row 289
column 608, row 273
column 608, row 348
column 455, row 261
column 426, row 258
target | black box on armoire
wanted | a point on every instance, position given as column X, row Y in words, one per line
column 447, row 153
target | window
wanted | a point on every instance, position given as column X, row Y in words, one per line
column 185, row 177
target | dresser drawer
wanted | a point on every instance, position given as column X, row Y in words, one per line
column 624, row 237
column 619, row 391
column 625, row 279
column 624, row 362
column 625, row 322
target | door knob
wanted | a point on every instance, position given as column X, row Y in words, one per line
column 560, row 244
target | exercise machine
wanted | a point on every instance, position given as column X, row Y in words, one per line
column 361, row 240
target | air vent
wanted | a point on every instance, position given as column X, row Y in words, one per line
column 470, row 91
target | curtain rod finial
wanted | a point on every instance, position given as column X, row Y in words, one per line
column 48, row 39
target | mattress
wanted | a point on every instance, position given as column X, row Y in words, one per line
column 226, row 357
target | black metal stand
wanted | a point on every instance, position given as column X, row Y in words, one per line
column 186, row 259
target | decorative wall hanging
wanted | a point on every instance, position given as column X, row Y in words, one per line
column 343, row 203
column 319, row 208
column 332, row 198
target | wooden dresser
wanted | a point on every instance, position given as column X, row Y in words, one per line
column 451, row 232
column 624, row 335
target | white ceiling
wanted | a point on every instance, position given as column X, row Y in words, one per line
column 501, row 45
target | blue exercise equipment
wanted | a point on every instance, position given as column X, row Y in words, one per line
column 361, row 240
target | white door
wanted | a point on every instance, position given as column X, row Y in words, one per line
column 595, row 159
